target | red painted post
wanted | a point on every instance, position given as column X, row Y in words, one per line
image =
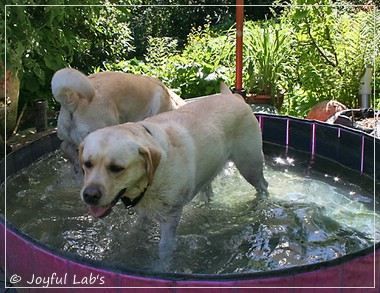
column 239, row 44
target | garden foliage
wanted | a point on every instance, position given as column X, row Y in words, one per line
column 330, row 46
column 309, row 51
column 42, row 38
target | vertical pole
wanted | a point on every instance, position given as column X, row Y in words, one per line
column 365, row 88
column 41, row 115
column 239, row 44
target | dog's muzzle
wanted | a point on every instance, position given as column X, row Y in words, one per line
column 92, row 196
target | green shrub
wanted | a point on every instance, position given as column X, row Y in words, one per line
column 196, row 71
column 43, row 38
column 310, row 52
column 313, row 50
column 331, row 46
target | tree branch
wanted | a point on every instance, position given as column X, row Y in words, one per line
column 334, row 51
column 320, row 51
column 314, row 43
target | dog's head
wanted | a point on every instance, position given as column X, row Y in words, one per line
column 117, row 161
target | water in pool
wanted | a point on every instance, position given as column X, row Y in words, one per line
column 309, row 216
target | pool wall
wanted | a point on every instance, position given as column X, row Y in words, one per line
column 34, row 264
column 352, row 149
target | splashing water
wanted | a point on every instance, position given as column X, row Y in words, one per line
column 308, row 217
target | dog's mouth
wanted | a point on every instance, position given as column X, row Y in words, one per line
column 100, row 212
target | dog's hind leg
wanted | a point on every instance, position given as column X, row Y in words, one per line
column 249, row 159
column 252, row 171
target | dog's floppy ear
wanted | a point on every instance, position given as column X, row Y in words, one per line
column 152, row 157
column 70, row 87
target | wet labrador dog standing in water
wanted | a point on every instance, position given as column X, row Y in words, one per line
column 158, row 165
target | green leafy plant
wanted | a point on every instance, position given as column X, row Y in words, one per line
column 266, row 47
column 40, row 39
column 313, row 50
column 195, row 71
column 330, row 43
column 204, row 63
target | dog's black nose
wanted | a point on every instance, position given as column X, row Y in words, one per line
column 91, row 195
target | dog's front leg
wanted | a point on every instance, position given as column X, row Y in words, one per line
column 168, row 239
column 69, row 150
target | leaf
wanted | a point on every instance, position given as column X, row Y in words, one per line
column 40, row 74
column 51, row 62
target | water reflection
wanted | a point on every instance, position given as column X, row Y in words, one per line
column 308, row 217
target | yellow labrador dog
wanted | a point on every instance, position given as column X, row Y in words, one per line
column 159, row 164
column 104, row 99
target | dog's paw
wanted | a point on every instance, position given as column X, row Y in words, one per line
column 162, row 265
column 262, row 194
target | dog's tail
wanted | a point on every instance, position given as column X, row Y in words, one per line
column 224, row 90
column 69, row 86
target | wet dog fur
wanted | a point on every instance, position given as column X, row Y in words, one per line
column 169, row 158
column 104, row 99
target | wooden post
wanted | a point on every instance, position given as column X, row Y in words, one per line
column 40, row 107
column 239, row 44
column 238, row 89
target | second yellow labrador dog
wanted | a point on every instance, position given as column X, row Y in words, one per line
column 104, row 99
column 158, row 165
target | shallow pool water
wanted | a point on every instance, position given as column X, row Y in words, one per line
column 311, row 215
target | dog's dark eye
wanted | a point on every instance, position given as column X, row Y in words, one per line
column 115, row 168
column 88, row 165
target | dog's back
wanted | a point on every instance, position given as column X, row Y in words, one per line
column 217, row 128
column 105, row 99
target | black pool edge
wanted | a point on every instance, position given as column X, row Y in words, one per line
column 50, row 142
column 24, row 156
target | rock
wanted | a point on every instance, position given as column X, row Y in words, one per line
column 324, row 110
